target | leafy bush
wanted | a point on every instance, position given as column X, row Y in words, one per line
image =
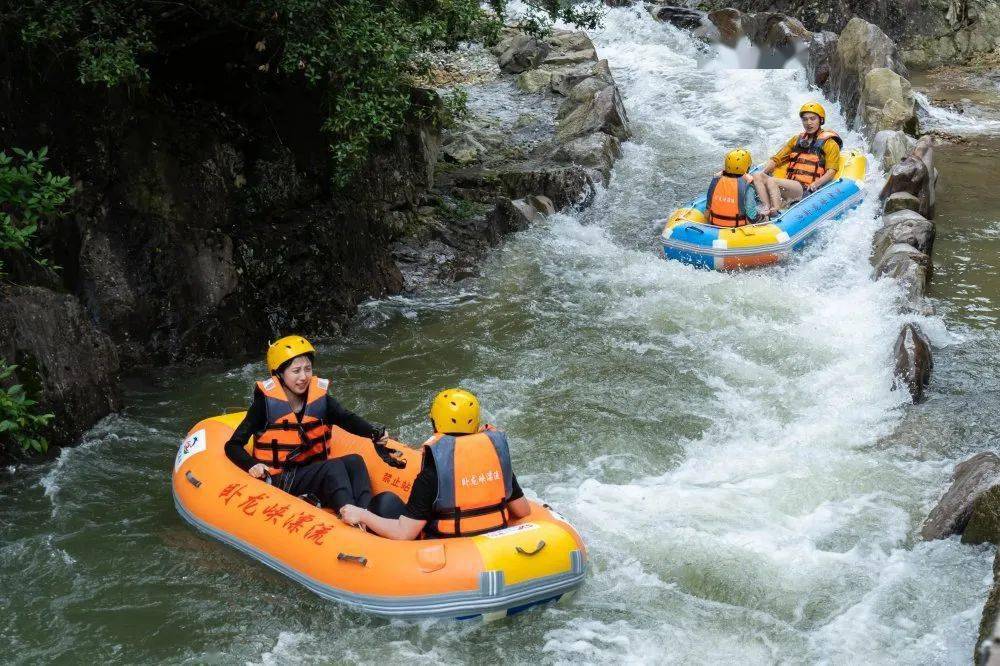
column 361, row 54
column 20, row 429
column 28, row 194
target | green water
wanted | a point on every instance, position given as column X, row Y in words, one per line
column 728, row 446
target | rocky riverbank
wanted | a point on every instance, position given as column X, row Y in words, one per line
column 205, row 224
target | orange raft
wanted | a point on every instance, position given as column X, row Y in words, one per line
column 538, row 559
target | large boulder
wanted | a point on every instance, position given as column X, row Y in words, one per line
column 861, row 47
column 63, row 359
column 887, row 102
column 593, row 106
column 534, row 80
column 597, row 151
column 822, row 51
column 524, row 52
column 890, row 147
column 914, row 362
column 970, row 478
column 681, row 17
column 898, row 201
column 909, row 266
column 916, row 175
column 984, row 521
column 907, row 227
column 565, row 79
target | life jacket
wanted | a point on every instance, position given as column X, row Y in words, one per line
column 474, row 483
column 807, row 161
column 285, row 440
column 725, row 200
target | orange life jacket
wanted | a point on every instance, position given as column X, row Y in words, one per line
column 725, row 200
column 285, row 440
column 807, row 161
column 474, row 483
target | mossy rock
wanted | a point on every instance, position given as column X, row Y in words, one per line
column 984, row 526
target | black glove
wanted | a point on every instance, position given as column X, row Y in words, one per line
column 392, row 457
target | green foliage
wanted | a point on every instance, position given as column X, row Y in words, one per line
column 456, row 106
column 539, row 15
column 20, row 429
column 28, row 194
column 361, row 54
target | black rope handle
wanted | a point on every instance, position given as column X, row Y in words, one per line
column 538, row 549
column 357, row 559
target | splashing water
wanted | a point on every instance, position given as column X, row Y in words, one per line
column 725, row 443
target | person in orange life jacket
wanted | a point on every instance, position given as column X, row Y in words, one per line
column 466, row 485
column 812, row 159
column 732, row 194
column 289, row 421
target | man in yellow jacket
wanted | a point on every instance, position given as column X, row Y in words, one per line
column 812, row 158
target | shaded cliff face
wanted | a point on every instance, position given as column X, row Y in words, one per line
column 205, row 223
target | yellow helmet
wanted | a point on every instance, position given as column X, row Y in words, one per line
column 737, row 161
column 455, row 410
column 814, row 107
column 286, row 349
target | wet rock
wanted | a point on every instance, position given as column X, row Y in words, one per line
column 564, row 186
column 887, row 102
column 597, row 151
column 542, row 204
column 913, row 176
column 593, row 106
column 62, row 358
column 681, row 17
column 534, row 80
column 891, row 146
column 570, row 40
column 970, row 478
column 900, row 201
column 463, row 149
column 988, row 645
column 908, row 265
column 729, row 23
column 904, row 226
column 914, row 362
column 564, row 80
column 523, row 53
column 822, row 50
column 562, row 59
column 984, row 522
column 861, row 47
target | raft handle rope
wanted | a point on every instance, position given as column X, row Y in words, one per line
column 192, row 479
column 538, row 549
column 357, row 559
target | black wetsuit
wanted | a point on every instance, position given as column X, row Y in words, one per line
column 335, row 482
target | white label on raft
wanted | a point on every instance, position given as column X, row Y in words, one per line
column 511, row 530
column 195, row 443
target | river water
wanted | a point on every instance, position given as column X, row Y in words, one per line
column 748, row 484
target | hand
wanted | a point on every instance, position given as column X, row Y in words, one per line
column 258, row 471
column 351, row 514
column 384, row 439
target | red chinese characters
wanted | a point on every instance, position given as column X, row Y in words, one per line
column 273, row 512
column 317, row 532
column 294, row 523
column 232, row 490
column 249, row 505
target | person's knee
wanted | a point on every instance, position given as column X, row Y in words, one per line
column 353, row 462
column 387, row 505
